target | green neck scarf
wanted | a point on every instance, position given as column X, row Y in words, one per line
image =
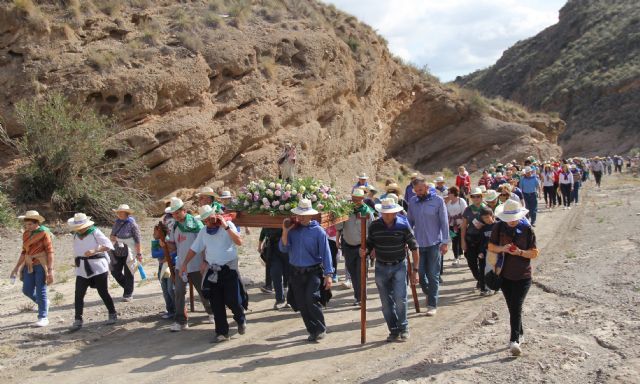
column 476, row 209
column 41, row 228
column 86, row 233
column 363, row 210
column 190, row 225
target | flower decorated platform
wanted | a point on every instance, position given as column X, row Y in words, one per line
column 266, row 203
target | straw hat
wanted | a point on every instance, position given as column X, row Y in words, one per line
column 392, row 196
column 511, row 210
column 123, row 208
column 79, row 221
column 388, row 206
column 362, row 176
column 476, row 191
column 491, row 195
column 225, row 195
column 439, row 179
column 483, row 188
column 32, row 215
column 304, row 208
column 393, row 187
column 204, row 212
column 370, row 188
column 358, row 192
column 414, row 175
column 175, row 205
column 206, row 191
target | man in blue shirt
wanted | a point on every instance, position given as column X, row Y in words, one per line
column 428, row 217
column 530, row 186
column 310, row 258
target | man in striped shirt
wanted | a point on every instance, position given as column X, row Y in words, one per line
column 388, row 238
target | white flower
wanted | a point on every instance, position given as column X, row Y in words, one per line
column 302, row 189
column 269, row 192
column 287, row 206
column 282, row 207
column 272, row 185
column 246, row 203
column 294, row 193
column 265, row 200
column 278, row 186
column 278, row 193
column 314, row 198
column 287, row 187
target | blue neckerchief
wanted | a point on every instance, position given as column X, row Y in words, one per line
column 213, row 231
column 431, row 193
column 129, row 219
column 522, row 224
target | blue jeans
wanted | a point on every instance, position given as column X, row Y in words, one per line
column 531, row 203
column 34, row 286
column 279, row 271
column 429, row 273
column 391, row 281
column 167, row 292
column 574, row 192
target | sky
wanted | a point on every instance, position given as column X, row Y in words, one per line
column 453, row 37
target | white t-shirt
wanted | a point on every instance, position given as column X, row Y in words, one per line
column 547, row 179
column 218, row 248
column 455, row 210
column 92, row 241
column 183, row 243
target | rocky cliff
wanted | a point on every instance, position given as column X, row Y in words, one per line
column 207, row 91
column 586, row 67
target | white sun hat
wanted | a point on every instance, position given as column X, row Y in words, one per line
column 388, row 206
column 123, row 208
column 79, row 221
column 511, row 210
column 32, row 215
column 204, row 212
column 225, row 195
column 491, row 195
column 439, row 179
column 304, row 208
column 476, row 191
column 206, row 191
column 363, row 176
column 175, row 204
column 358, row 192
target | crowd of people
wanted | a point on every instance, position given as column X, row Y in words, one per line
column 489, row 221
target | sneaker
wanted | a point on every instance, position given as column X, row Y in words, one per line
column 334, row 279
column 486, row 292
column 431, row 311
column 167, row 316
column 404, row 335
column 77, row 324
column 266, row 289
column 321, row 336
column 455, row 263
column 127, row 299
column 242, row 328
column 393, row 337
column 569, row 208
column 177, row 327
column 356, row 303
column 521, row 339
column 279, row 305
column 515, row 349
column 347, row 284
column 212, row 319
column 313, row 337
column 220, row 338
column 42, row 322
column 113, row 317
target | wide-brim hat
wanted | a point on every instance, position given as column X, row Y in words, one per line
column 363, row 176
column 79, row 221
column 439, row 179
column 206, row 191
column 388, row 205
column 358, row 193
column 225, row 195
column 205, row 211
column 476, row 191
column 123, row 208
column 414, row 175
column 304, row 208
column 370, row 188
column 175, row 205
column 491, row 195
column 511, row 210
column 32, row 215
column 392, row 187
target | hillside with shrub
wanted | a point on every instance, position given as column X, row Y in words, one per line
column 206, row 92
column 586, row 67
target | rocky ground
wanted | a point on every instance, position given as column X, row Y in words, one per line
column 581, row 321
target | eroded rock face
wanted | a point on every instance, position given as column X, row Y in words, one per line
column 216, row 113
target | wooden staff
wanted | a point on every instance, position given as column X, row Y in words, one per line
column 191, row 296
column 363, row 281
column 414, row 292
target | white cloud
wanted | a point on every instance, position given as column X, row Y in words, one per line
column 453, row 37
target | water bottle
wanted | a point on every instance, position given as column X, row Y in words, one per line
column 143, row 275
column 184, row 277
column 13, row 280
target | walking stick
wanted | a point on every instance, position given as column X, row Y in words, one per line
column 363, row 281
column 191, row 296
column 414, row 292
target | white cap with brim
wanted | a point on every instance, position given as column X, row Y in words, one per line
column 511, row 210
column 204, row 212
column 175, row 205
column 123, row 208
column 304, row 208
column 206, row 191
column 79, row 221
column 388, row 206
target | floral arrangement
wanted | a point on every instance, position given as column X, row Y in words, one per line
column 278, row 197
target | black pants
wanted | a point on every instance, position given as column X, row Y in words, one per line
column 566, row 194
column 549, row 195
column 222, row 294
column 619, row 168
column 305, row 288
column 100, row 283
column 267, row 274
column 514, row 292
column 598, row 176
column 123, row 275
column 279, row 271
column 333, row 247
column 456, row 245
column 353, row 264
column 473, row 248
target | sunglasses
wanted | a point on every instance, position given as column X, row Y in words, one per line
column 476, row 196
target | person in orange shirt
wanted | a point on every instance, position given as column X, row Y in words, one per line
column 35, row 264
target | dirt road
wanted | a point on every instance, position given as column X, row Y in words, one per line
column 581, row 323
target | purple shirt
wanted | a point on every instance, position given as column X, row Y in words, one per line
column 429, row 219
column 126, row 229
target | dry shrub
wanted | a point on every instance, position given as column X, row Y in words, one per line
column 191, row 41
column 269, row 67
column 240, row 11
column 110, row 7
column 212, row 20
column 32, row 14
column 7, row 211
